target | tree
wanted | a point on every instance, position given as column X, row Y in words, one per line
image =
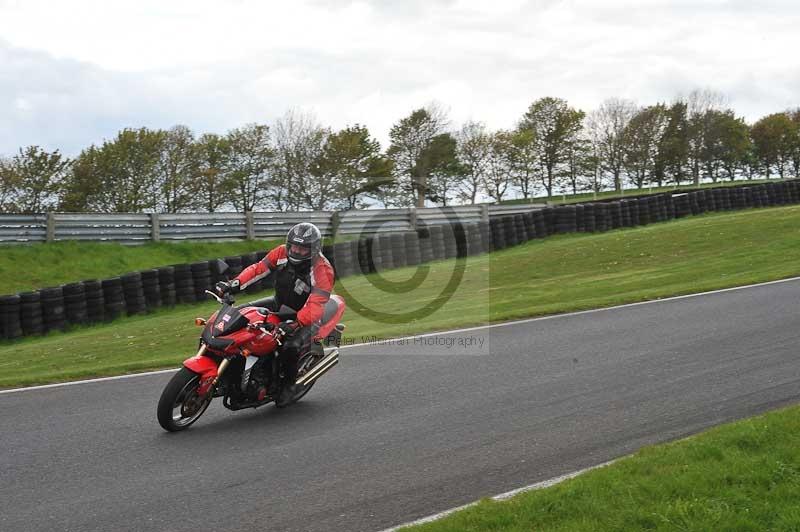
column 298, row 146
column 213, row 184
column 523, row 159
column 130, row 170
column 593, row 168
column 794, row 116
column 122, row 175
column 773, row 140
column 9, row 185
column 249, row 165
column 83, row 186
column 555, row 124
column 179, row 167
column 673, row 149
column 352, row 161
column 409, row 138
column 606, row 127
column 497, row 180
column 579, row 162
column 473, row 145
column 702, row 106
column 439, row 162
column 725, row 144
column 641, row 140
column 36, row 176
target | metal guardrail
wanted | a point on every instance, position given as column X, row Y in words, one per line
column 128, row 228
column 23, row 228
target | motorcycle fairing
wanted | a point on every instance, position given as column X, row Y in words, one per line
column 202, row 365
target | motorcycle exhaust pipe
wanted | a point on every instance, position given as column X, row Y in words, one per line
column 320, row 369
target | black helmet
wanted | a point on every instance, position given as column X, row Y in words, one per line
column 303, row 243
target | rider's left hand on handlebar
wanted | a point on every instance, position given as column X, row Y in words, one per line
column 227, row 287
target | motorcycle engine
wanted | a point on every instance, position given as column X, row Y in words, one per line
column 256, row 386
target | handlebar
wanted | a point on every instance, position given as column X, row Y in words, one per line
column 221, row 300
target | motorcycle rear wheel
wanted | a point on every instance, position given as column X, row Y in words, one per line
column 179, row 405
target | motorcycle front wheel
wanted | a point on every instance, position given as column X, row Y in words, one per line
column 180, row 406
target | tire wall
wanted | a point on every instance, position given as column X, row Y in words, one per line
column 93, row 301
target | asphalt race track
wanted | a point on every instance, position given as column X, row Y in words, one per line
column 399, row 432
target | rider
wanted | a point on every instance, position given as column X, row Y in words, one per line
column 303, row 281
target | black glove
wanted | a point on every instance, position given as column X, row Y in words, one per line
column 227, row 287
column 288, row 327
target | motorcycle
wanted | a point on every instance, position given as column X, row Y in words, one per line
column 238, row 361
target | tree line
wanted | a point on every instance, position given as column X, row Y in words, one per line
column 298, row 164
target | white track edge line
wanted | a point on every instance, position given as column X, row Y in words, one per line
column 426, row 335
column 501, row 497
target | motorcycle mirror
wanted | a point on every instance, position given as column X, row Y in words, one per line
column 222, row 266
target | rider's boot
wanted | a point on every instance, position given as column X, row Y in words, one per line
column 288, row 391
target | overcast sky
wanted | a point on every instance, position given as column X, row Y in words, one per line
column 74, row 72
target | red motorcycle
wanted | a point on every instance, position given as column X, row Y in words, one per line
column 238, row 361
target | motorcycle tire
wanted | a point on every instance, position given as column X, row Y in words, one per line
column 179, row 407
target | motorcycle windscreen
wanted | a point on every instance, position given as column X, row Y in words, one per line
column 229, row 320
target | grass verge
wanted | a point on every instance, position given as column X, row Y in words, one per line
column 743, row 476
column 28, row 267
column 559, row 274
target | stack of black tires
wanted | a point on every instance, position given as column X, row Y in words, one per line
column 425, row 240
column 31, row 313
column 201, row 279
column 53, row 318
column 184, row 284
column 342, row 258
column 134, row 293
column 10, row 326
column 75, row 306
column 95, row 301
column 151, row 289
column 166, row 286
column 113, row 298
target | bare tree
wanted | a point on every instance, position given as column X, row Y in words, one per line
column 299, row 145
column 606, row 126
column 474, row 145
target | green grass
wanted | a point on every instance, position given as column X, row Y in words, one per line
column 744, row 476
column 28, row 267
column 558, row 274
column 559, row 199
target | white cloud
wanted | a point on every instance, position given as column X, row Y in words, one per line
column 73, row 73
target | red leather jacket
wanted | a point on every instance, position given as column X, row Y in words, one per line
column 305, row 289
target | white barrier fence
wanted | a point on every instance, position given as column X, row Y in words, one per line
column 139, row 228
